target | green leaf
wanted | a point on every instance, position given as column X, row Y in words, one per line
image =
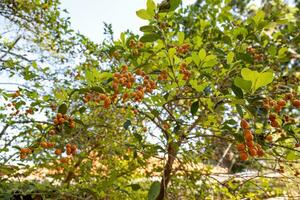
column 171, row 53
column 202, row 54
column 150, row 29
column 194, row 107
column 239, row 110
column 155, row 113
column 150, row 37
column 260, row 15
column 127, row 124
column 210, row 61
column 144, row 14
column 210, row 57
column 34, row 65
column 292, row 156
column 243, row 84
column 180, row 36
column 151, row 7
column 248, row 74
column 82, row 109
column 154, row 190
column 237, row 91
column 282, row 51
column 198, row 87
column 174, row 4
column 135, row 187
column 63, row 108
column 264, row 79
column 258, row 79
column 137, row 136
column 230, row 57
column 245, row 57
column 195, row 58
column 272, row 50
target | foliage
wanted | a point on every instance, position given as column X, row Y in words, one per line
column 208, row 89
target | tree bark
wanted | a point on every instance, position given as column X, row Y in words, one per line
column 172, row 152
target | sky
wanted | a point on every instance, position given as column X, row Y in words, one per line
column 88, row 16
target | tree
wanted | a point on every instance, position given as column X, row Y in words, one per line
column 211, row 82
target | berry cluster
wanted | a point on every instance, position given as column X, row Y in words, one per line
column 163, row 75
column 24, row 152
column 257, row 56
column 183, row 70
column 135, row 46
column 183, row 49
column 277, row 106
column 47, row 145
column 253, row 149
column 12, row 106
column 125, row 79
column 60, row 119
column 97, row 98
column 71, row 149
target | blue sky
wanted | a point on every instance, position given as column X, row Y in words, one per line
column 88, row 16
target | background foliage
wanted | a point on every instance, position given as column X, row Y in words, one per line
column 205, row 104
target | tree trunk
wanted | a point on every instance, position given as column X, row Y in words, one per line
column 172, row 152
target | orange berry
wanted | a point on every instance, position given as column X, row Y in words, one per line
column 296, row 103
column 52, row 132
column 63, row 160
column 278, row 108
column 68, row 145
column 73, row 147
column 272, row 117
column 166, row 126
column 124, row 68
column 289, row 96
column 50, row 144
column 243, row 156
column 248, row 135
column 269, row 138
column 102, row 96
column 69, row 151
column 275, row 124
column 61, row 120
column 244, row 124
column 250, row 143
column 72, row 125
column 281, row 103
column 23, row 156
column 241, row 147
column 260, row 152
column 55, row 121
column 59, row 115
column 25, row 150
column 252, row 151
column 44, row 144
column 58, row 151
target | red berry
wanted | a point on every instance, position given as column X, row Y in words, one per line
column 244, row 124
column 253, row 152
column 243, row 156
column 241, row 147
column 269, row 138
column 281, row 103
column 296, row 103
